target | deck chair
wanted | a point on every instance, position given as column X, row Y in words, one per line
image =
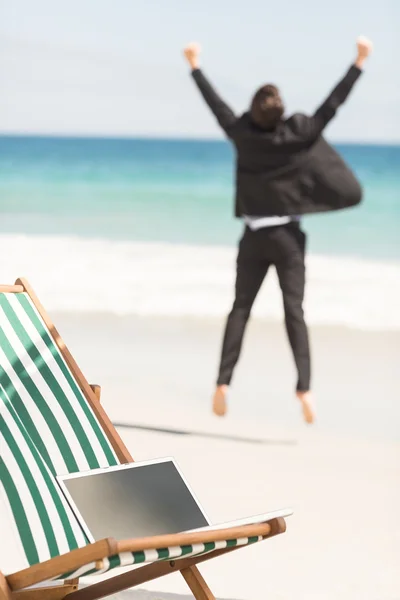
column 52, row 422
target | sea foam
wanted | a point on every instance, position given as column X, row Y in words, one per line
column 81, row 275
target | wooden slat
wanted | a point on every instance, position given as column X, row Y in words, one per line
column 58, row 592
column 11, row 289
column 200, row 537
column 109, row 429
column 62, row 564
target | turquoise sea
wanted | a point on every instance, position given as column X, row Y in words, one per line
column 177, row 194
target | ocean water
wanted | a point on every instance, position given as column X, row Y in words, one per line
column 154, row 218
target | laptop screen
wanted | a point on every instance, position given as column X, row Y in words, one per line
column 137, row 501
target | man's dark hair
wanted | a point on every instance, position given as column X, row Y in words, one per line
column 267, row 107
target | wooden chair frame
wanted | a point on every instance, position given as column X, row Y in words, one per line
column 13, row 587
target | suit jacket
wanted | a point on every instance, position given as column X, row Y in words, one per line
column 290, row 170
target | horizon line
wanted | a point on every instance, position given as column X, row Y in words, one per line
column 164, row 137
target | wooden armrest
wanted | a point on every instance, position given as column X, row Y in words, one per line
column 62, row 564
column 108, row 547
column 199, row 537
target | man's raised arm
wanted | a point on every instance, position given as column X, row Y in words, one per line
column 313, row 126
column 224, row 114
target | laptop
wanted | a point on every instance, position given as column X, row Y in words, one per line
column 140, row 499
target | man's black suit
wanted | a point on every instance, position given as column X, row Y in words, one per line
column 288, row 171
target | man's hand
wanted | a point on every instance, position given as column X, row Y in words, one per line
column 192, row 53
column 364, row 49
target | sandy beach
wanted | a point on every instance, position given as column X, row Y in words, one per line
column 117, row 204
column 342, row 477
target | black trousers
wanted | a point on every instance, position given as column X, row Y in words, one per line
column 283, row 247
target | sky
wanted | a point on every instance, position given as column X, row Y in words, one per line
column 115, row 67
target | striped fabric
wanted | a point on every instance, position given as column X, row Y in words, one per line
column 44, row 393
column 127, row 559
column 46, row 428
column 36, row 516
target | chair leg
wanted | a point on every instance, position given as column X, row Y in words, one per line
column 197, row 584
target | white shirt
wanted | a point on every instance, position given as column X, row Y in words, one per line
column 256, row 223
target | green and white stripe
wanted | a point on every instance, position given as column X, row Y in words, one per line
column 44, row 393
column 127, row 559
column 46, row 525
